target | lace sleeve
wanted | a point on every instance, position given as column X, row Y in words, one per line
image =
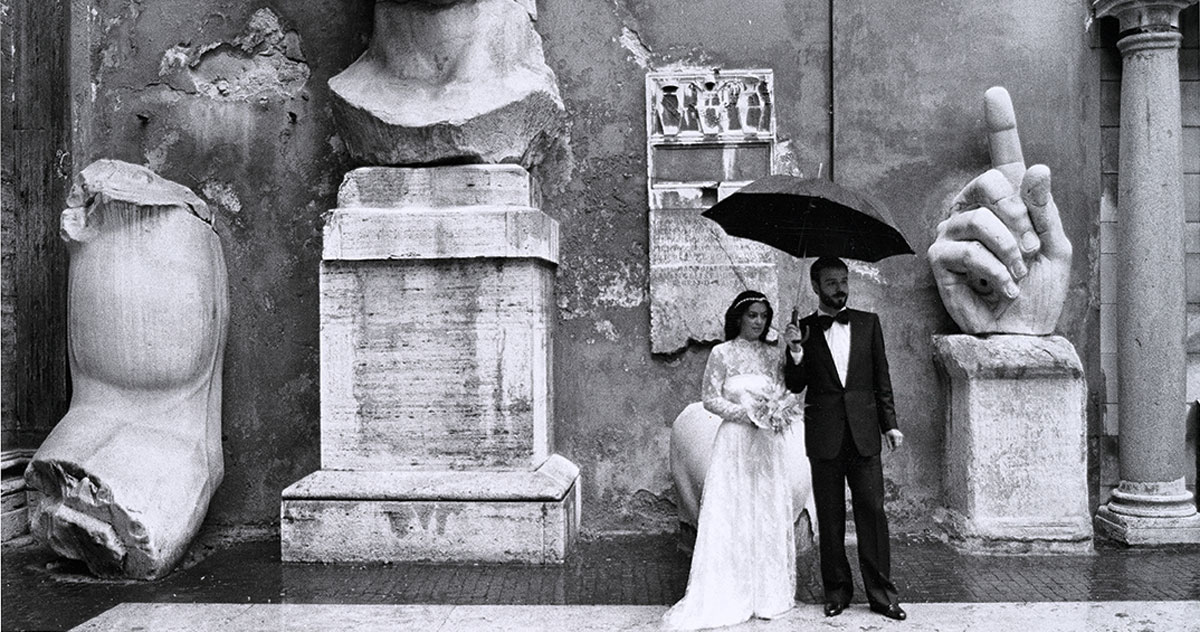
column 775, row 362
column 712, row 392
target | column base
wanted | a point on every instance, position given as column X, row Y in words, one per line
column 1017, row 536
column 432, row 516
column 1150, row 514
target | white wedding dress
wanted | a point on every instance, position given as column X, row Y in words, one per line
column 744, row 561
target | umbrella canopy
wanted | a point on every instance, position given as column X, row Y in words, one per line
column 810, row 217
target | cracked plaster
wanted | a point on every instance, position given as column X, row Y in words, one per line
column 263, row 63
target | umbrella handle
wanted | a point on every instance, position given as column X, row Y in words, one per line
column 796, row 321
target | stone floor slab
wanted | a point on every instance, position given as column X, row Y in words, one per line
column 327, row 617
column 209, row 617
column 1113, row 616
column 43, row 592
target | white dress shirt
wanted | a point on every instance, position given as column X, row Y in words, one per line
column 838, row 339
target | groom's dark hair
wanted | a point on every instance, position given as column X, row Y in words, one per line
column 825, row 263
column 737, row 309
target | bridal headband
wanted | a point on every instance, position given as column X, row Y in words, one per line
column 751, row 299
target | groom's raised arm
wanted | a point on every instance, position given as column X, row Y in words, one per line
column 795, row 378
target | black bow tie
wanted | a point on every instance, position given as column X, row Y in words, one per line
column 826, row 322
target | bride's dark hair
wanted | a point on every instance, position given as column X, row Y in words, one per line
column 737, row 309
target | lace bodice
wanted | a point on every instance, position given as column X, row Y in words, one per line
column 733, row 358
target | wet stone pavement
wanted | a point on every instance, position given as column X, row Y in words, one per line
column 42, row 592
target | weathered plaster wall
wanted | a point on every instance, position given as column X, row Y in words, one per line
column 231, row 100
column 908, row 127
column 908, row 83
column 614, row 399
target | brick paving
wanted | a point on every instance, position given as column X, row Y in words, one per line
column 41, row 592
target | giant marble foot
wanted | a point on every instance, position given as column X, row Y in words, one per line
column 127, row 474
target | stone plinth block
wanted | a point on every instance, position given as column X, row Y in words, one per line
column 126, row 476
column 436, row 315
column 449, row 81
column 1015, row 454
column 339, row 516
column 435, row 364
column 479, row 232
column 437, row 299
column 398, row 187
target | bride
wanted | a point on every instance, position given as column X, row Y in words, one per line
column 744, row 561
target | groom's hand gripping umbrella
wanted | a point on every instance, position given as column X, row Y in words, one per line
column 810, row 217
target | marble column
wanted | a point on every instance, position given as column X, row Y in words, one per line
column 1151, row 505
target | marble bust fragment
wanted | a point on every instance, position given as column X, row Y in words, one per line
column 449, row 81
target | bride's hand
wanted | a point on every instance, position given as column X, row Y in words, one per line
column 742, row 416
column 759, row 414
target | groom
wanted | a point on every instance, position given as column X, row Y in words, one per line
column 847, row 407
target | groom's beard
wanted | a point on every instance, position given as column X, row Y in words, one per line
column 833, row 302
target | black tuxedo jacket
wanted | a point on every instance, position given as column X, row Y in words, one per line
column 864, row 403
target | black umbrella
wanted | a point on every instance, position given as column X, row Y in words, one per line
column 810, row 217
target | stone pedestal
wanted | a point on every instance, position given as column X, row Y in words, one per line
column 1151, row 505
column 437, row 298
column 1015, row 460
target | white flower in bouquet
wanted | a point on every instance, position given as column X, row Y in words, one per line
column 770, row 406
column 783, row 408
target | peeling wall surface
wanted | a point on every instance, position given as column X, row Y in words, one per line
column 231, row 99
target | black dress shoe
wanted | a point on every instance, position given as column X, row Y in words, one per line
column 834, row 608
column 893, row 611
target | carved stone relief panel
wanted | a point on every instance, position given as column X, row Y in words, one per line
column 690, row 105
column 709, row 132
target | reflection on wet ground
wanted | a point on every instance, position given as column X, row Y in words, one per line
column 41, row 592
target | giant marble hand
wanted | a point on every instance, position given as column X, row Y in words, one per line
column 1001, row 260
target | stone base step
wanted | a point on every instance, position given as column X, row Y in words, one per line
column 423, row 516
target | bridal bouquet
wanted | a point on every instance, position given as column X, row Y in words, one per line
column 774, row 407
